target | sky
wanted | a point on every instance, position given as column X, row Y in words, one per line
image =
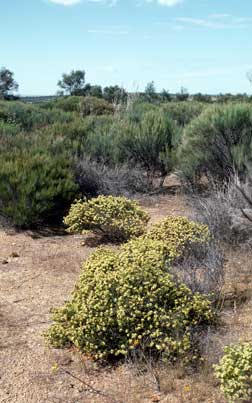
column 202, row 45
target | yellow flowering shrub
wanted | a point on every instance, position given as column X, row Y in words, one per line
column 127, row 299
column 235, row 373
column 117, row 218
column 179, row 234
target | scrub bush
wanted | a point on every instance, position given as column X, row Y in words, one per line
column 196, row 258
column 126, row 300
column 183, row 112
column 95, row 106
column 235, row 373
column 178, row 233
column 217, row 143
column 35, row 187
column 116, row 218
column 149, row 143
column 31, row 117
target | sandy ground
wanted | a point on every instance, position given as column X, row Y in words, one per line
column 38, row 272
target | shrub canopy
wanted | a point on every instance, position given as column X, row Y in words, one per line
column 217, row 142
column 117, row 218
column 128, row 299
column 235, row 372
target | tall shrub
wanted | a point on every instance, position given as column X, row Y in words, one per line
column 35, row 187
column 149, row 143
column 217, row 142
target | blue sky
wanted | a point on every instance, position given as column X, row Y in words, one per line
column 203, row 45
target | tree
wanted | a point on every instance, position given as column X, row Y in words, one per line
column 93, row 90
column 73, row 83
column 150, row 91
column 183, row 95
column 165, row 96
column 202, row 97
column 114, row 94
column 7, row 82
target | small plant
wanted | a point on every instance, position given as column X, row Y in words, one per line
column 126, row 300
column 116, row 218
column 235, row 373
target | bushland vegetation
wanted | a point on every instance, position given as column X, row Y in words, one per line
column 78, row 157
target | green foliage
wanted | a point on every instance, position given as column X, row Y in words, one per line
column 183, row 112
column 235, row 373
column 66, row 104
column 94, row 106
column 7, row 82
column 30, row 117
column 117, row 218
column 35, row 186
column 149, row 142
column 217, row 142
column 114, row 94
column 8, row 129
column 102, row 139
column 128, row 299
column 73, row 83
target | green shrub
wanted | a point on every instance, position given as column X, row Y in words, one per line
column 183, row 112
column 83, row 105
column 126, row 300
column 61, row 137
column 35, row 187
column 217, row 142
column 101, row 144
column 66, row 104
column 30, row 117
column 149, row 143
column 235, row 373
column 95, row 106
column 8, row 129
column 116, row 218
column 137, row 108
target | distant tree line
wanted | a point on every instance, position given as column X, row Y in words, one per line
column 74, row 83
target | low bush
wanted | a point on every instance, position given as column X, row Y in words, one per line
column 235, row 373
column 226, row 209
column 8, row 129
column 35, row 188
column 217, row 143
column 116, row 218
column 66, row 104
column 95, row 106
column 178, row 233
column 183, row 112
column 196, row 258
column 31, row 117
column 96, row 178
column 126, row 300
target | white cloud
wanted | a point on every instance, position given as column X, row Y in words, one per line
column 66, row 2
column 107, row 32
column 74, row 2
column 216, row 21
column 166, row 3
column 169, row 3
